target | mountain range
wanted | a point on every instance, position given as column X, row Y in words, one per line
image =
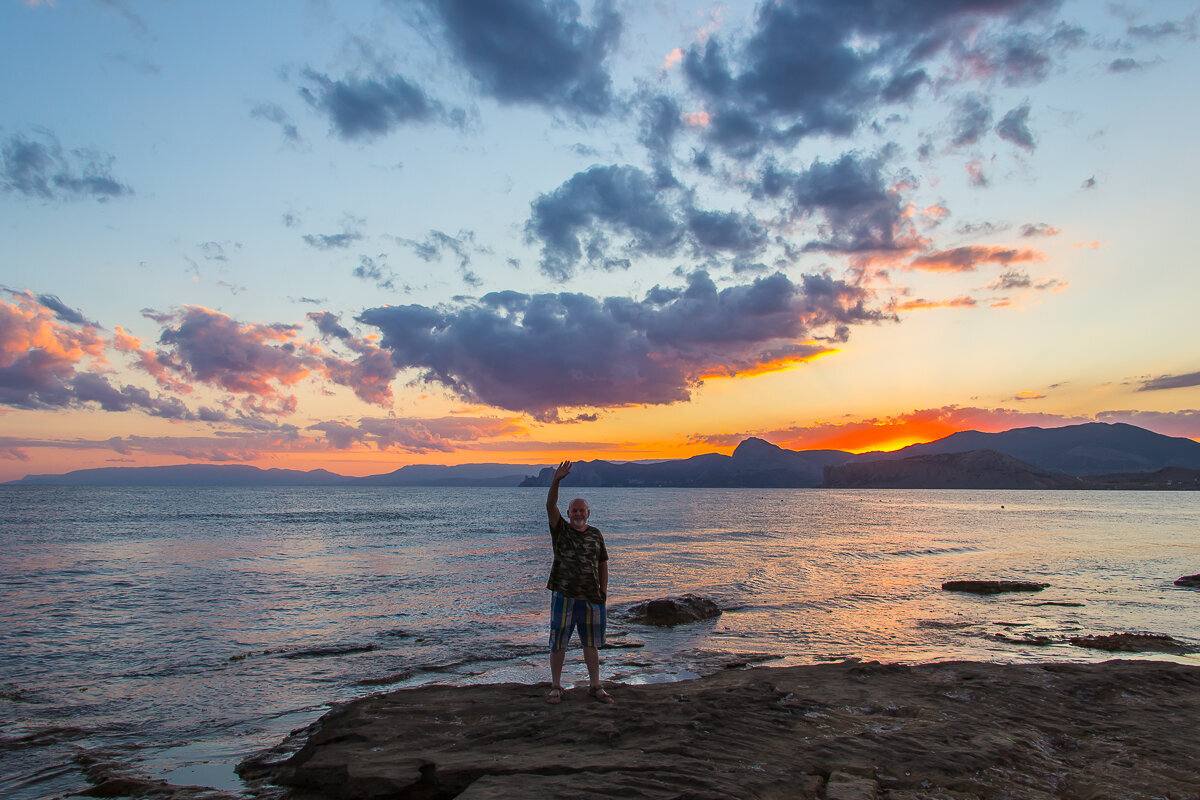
column 1123, row 455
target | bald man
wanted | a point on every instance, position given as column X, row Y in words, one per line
column 579, row 588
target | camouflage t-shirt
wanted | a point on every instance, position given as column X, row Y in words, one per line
column 577, row 557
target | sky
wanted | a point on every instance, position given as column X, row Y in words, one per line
column 371, row 233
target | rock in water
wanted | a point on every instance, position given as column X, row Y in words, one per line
column 992, row 587
column 1192, row 581
column 673, row 610
column 1133, row 643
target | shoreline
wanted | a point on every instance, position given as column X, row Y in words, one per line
column 1120, row 728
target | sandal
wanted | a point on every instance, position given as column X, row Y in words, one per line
column 555, row 695
column 597, row 693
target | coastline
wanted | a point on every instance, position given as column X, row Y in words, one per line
column 1121, row 728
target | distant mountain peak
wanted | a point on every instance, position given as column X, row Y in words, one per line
column 756, row 447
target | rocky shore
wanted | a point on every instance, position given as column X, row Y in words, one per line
column 842, row 731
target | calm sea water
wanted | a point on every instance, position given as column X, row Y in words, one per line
column 179, row 630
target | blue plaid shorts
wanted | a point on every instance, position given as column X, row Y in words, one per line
column 567, row 613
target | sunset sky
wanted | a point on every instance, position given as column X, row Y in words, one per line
column 358, row 235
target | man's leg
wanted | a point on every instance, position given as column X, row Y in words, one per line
column 556, row 664
column 591, row 656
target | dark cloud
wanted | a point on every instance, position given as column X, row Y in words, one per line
column 823, row 66
column 274, row 113
column 660, row 122
column 443, row 435
column 39, row 167
column 1039, row 229
column 542, row 353
column 1012, row 279
column 364, row 108
column 92, row 388
column 529, row 51
column 370, row 269
column 603, row 217
column 973, row 117
column 334, row 241
column 855, row 202
column 1170, row 382
column 1014, row 127
column 1119, row 65
column 64, row 312
column 574, row 221
column 371, row 372
column 1090, row 183
column 462, row 247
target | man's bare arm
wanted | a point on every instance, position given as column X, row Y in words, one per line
column 563, row 470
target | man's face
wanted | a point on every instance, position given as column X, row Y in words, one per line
column 578, row 513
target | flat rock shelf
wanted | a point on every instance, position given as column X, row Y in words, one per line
column 957, row 729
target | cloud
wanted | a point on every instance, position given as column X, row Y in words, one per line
column 1120, row 65
column 573, row 222
column 369, row 375
column 333, row 241
column 39, row 355
column 1039, row 229
column 1170, row 382
column 1014, row 127
column 63, row 312
column 541, row 353
column 973, row 118
column 528, row 51
column 248, row 359
column 41, row 360
column 365, row 108
column 444, row 435
column 38, row 167
column 814, row 67
column 969, row 258
column 858, row 207
column 275, row 113
column 921, row 304
column 605, row 216
column 462, row 246
column 1011, row 279
column 370, row 269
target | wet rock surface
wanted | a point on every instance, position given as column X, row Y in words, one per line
column 993, row 587
column 845, row 730
column 672, row 610
column 1190, row 581
column 1133, row 643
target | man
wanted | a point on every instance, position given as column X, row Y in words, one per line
column 579, row 588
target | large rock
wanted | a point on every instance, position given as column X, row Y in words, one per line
column 1192, row 581
column 993, row 587
column 945, row 730
column 673, row 610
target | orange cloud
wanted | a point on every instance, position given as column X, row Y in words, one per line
column 148, row 360
column 774, row 365
column 696, row 119
column 1029, row 396
column 28, row 328
column 968, row 259
column 920, row 304
column 673, row 59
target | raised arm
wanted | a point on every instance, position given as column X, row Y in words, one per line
column 563, row 470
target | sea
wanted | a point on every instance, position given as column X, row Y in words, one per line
column 175, row 631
